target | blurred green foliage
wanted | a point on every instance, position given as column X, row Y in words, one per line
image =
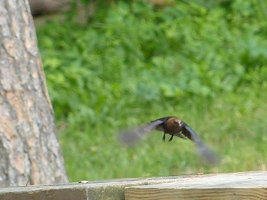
column 203, row 61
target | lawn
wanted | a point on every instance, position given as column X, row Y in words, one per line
column 135, row 62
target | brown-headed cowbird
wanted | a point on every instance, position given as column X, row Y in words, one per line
column 172, row 126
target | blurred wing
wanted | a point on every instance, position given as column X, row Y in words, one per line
column 201, row 147
column 130, row 137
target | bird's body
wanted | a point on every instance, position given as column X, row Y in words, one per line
column 172, row 126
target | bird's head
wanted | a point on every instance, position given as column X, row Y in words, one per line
column 174, row 125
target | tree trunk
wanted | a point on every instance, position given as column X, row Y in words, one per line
column 29, row 148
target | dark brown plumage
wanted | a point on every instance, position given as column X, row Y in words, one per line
column 172, row 126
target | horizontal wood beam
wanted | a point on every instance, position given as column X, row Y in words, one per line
column 245, row 185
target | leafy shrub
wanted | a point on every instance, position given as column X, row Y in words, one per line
column 145, row 55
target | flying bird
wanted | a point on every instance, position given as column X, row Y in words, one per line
column 172, row 126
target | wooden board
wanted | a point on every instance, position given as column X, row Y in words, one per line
column 246, row 185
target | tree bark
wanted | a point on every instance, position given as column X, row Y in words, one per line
column 29, row 148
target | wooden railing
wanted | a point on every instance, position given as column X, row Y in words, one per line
column 244, row 185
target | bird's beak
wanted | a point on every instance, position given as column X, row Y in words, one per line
column 179, row 122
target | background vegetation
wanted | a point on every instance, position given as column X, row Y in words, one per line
column 134, row 61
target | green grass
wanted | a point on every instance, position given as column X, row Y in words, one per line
column 136, row 62
column 232, row 125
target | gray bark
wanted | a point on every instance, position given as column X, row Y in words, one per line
column 29, row 148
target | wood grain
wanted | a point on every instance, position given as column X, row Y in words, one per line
column 247, row 185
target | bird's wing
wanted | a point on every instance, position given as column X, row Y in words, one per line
column 201, row 147
column 130, row 137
